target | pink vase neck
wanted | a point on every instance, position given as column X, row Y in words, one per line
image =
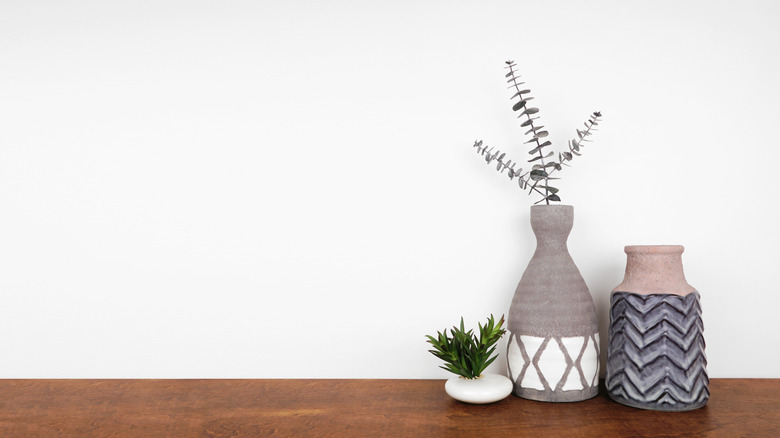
column 654, row 269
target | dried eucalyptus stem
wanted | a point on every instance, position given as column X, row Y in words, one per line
column 540, row 171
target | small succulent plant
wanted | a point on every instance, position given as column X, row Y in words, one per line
column 464, row 353
column 538, row 178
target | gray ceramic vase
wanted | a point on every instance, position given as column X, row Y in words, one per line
column 655, row 358
column 553, row 340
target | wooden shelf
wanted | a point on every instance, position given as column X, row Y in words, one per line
column 361, row 408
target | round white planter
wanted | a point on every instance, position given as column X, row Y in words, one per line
column 487, row 388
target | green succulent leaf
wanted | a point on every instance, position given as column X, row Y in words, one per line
column 465, row 353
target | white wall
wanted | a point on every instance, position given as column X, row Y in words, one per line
column 288, row 189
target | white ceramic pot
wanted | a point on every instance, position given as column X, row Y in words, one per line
column 487, row 388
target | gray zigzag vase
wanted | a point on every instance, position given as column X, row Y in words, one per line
column 656, row 357
column 553, row 341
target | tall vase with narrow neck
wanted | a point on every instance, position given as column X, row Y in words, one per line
column 553, row 342
column 655, row 358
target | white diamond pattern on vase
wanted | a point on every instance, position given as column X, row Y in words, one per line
column 573, row 346
column 552, row 363
column 566, row 365
column 531, row 344
column 590, row 360
column 532, row 380
column 515, row 358
column 573, row 381
column 529, row 376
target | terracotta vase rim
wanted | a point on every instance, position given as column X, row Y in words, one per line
column 654, row 249
column 654, row 269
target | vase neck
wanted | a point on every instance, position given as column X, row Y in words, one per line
column 551, row 241
column 551, row 225
column 654, row 269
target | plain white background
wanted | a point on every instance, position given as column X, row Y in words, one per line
column 258, row 189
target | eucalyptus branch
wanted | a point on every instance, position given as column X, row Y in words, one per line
column 539, row 176
column 576, row 144
column 527, row 112
column 498, row 156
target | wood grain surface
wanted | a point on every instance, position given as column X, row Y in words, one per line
column 359, row 408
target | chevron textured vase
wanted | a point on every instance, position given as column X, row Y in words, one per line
column 553, row 341
column 656, row 358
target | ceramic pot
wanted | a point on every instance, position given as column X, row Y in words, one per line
column 553, row 342
column 487, row 388
column 655, row 358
